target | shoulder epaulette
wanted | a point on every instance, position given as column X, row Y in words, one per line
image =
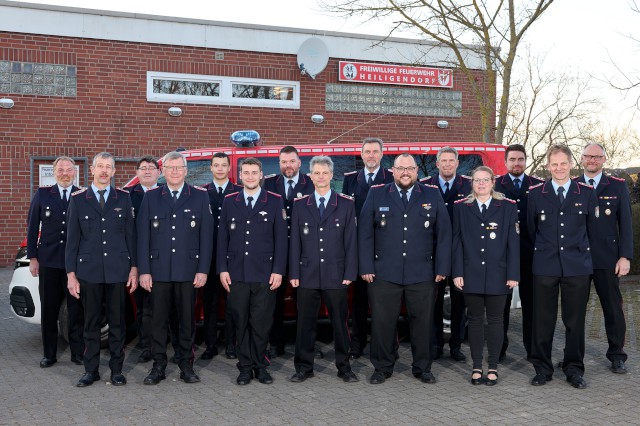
column 154, row 188
column 298, row 198
column 586, row 185
column 497, row 176
column 428, row 185
column 350, row 173
column 509, row 200
column 275, row 193
column 46, row 186
column 617, row 178
column 270, row 176
column 390, row 171
column 536, row 186
column 79, row 191
column 377, row 186
column 348, row 197
column 199, row 188
column 233, row 194
column 466, row 177
column 461, row 200
column 424, row 179
column 121, row 190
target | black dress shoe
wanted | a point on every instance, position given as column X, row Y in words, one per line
column 244, row 378
column 87, row 379
column 230, row 352
column 541, row 379
column 155, row 376
column 187, row 375
column 457, row 355
column 577, row 381
column 348, row 376
column 300, row 376
column 425, row 377
column 617, row 366
column 145, row 356
column 209, row 353
column 355, row 354
column 478, row 380
column 47, row 362
column 77, row 359
column 118, row 379
column 378, row 377
column 263, row 376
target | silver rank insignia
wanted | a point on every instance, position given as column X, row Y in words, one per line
column 492, row 235
column 193, row 223
column 517, row 228
column 383, row 221
column 598, row 212
column 305, row 230
column 262, row 213
column 607, row 212
column 155, row 223
column 426, row 223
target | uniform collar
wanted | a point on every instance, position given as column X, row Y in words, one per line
column 95, row 191
column 255, row 196
column 596, row 179
column 326, row 197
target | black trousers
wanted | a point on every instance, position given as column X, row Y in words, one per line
column 52, row 286
column 457, row 315
column 308, row 304
column 277, row 335
column 359, row 315
column 252, row 306
column 574, row 295
column 94, row 297
column 210, row 298
column 164, row 295
column 607, row 286
column 143, row 317
column 385, row 299
column 477, row 306
column 525, row 289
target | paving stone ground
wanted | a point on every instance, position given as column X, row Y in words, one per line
column 30, row 395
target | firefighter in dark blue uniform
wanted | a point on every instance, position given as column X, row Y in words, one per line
column 515, row 185
column 100, row 260
column 323, row 261
column 251, row 260
column 400, row 225
column 356, row 184
column 148, row 172
column 611, row 248
column 45, row 251
column 452, row 187
column 486, row 265
column 562, row 214
column 289, row 184
column 175, row 226
column 219, row 188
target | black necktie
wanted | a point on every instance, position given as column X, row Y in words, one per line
column 592, row 182
column 446, row 188
column 64, row 196
column 370, row 181
column 561, row 194
column 321, row 206
column 220, row 191
column 101, row 192
column 249, row 205
column 175, row 196
column 405, row 200
column 484, row 210
column 290, row 190
column 516, row 183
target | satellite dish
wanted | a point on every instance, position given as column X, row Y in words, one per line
column 313, row 57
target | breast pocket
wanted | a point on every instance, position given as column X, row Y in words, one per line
column 192, row 221
column 46, row 215
column 158, row 223
column 118, row 218
column 427, row 217
column 88, row 224
column 267, row 222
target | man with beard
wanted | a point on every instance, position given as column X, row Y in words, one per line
column 219, row 188
column 148, row 172
column 611, row 248
column 46, row 241
column 400, row 225
column 251, row 260
column 515, row 185
column 452, row 187
column 290, row 184
column 357, row 184
column 100, row 260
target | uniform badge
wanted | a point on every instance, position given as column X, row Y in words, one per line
column 284, row 214
column 262, row 213
column 117, row 209
column 543, row 217
column 517, row 228
column 426, row 206
column 305, row 230
column 193, row 223
column 299, row 194
column 492, row 235
column 426, row 224
column 155, row 223
column 607, row 212
column 47, row 212
column 133, row 212
column 383, row 221
column 597, row 210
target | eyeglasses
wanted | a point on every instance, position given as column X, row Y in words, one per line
column 174, row 168
column 405, row 169
column 484, row 180
column 148, row 169
column 592, row 157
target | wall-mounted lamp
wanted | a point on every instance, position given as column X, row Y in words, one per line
column 175, row 111
column 6, row 103
column 317, row 118
column 442, row 124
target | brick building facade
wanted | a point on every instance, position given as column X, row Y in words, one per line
column 79, row 81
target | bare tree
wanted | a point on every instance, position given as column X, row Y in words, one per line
column 622, row 143
column 492, row 29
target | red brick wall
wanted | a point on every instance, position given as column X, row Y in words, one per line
column 111, row 112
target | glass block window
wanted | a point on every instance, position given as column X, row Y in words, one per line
column 205, row 89
column 393, row 100
column 29, row 78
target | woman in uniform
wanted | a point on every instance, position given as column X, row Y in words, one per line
column 486, row 265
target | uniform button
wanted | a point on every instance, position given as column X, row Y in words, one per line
column 405, row 215
column 404, row 241
column 173, row 238
column 105, row 254
column 321, row 249
column 62, row 232
column 246, row 242
column 64, row 212
column 288, row 207
column 103, row 219
column 173, row 227
column 561, row 248
column 561, row 213
column 80, row 260
column 218, row 217
column 321, row 229
column 219, row 208
column 173, row 250
column 174, row 215
column 197, row 256
column 247, row 232
column 483, row 263
column 104, row 242
column 246, row 253
column 321, row 260
column 248, row 221
column 61, row 241
column 481, row 249
column 482, row 224
column 320, row 239
column 518, row 212
column 562, row 224
column 561, row 236
column 518, row 200
column 446, row 204
column 288, row 217
column 482, row 237
column 63, row 222
column 405, row 228
column 404, row 254
column 104, row 231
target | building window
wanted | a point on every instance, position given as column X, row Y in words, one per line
column 217, row 90
column 29, row 78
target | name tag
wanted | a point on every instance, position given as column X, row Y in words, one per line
column 384, row 209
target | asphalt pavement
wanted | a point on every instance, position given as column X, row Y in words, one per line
column 30, row 395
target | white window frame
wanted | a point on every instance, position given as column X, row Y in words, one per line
column 225, row 97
